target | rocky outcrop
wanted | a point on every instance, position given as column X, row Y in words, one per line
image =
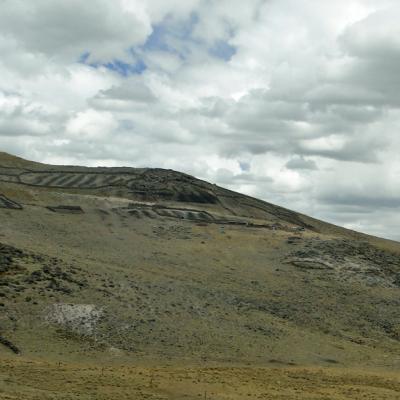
column 78, row 318
column 146, row 185
column 348, row 260
column 5, row 202
column 66, row 209
column 5, row 342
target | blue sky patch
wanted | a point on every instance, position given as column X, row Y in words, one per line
column 84, row 57
column 157, row 39
column 244, row 166
column 173, row 36
column 223, row 50
column 121, row 67
column 170, row 35
column 126, row 69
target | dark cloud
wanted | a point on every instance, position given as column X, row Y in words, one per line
column 68, row 29
column 369, row 201
column 301, row 163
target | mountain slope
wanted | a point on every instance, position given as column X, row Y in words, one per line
column 150, row 264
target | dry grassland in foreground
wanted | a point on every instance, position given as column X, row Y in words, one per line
column 24, row 379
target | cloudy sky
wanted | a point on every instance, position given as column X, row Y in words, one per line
column 293, row 101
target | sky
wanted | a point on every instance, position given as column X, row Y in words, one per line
column 296, row 102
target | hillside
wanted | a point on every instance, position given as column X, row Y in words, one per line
column 155, row 267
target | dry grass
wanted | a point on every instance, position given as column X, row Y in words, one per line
column 211, row 305
column 27, row 379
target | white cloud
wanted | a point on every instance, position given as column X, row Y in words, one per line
column 294, row 101
column 66, row 29
column 91, row 124
column 19, row 117
column 377, row 34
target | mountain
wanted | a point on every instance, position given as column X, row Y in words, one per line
column 155, row 267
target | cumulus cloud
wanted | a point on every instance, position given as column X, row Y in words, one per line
column 293, row 101
column 91, row 124
column 67, row 29
column 19, row 117
column 376, row 36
